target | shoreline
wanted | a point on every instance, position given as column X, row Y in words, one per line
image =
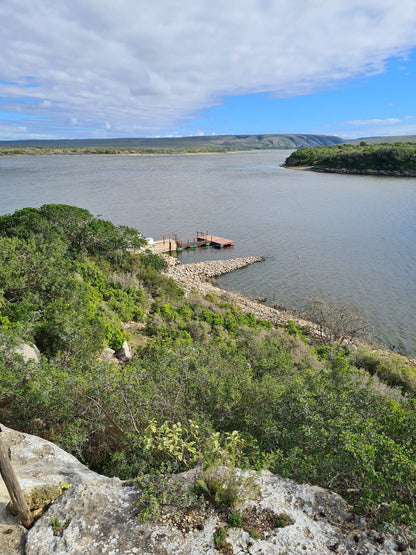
column 345, row 171
column 199, row 276
column 115, row 154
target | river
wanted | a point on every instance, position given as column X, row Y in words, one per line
column 350, row 239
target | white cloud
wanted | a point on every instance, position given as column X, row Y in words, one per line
column 387, row 121
column 376, row 127
column 145, row 66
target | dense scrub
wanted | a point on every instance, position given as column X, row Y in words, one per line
column 399, row 157
column 202, row 372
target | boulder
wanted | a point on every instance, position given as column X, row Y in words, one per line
column 98, row 515
column 123, row 354
column 42, row 469
column 37, row 461
column 28, row 352
column 108, row 355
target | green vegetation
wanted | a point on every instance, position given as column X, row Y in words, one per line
column 397, row 158
column 207, row 385
column 167, row 145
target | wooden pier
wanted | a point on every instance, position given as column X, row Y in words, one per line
column 220, row 242
column 171, row 242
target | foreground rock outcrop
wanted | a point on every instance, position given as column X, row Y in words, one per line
column 37, row 463
column 98, row 515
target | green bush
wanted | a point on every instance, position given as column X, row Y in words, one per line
column 391, row 368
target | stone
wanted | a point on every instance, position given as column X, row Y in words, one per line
column 108, row 355
column 99, row 517
column 12, row 539
column 123, row 354
column 37, row 461
column 38, row 464
column 28, row 352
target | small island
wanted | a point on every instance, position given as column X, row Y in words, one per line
column 398, row 159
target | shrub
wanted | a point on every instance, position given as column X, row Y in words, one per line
column 392, row 369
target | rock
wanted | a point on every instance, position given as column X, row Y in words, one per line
column 201, row 271
column 37, row 461
column 123, row 354
column 108, row 355
column 38, row 464
column 28, row 352
column 99, row 517
column 12, row 539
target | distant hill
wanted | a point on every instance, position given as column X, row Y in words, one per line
column 385, row 140
column 214, row 142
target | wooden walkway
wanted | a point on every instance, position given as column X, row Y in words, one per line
column 171, row 242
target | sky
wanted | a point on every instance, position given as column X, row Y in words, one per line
column 159, row 68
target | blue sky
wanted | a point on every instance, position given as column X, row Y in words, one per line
column 98, row 68
column 382, row 104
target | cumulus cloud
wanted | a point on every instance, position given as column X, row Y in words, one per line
column 136, row 67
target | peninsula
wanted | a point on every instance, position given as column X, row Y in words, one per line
column 398, row 159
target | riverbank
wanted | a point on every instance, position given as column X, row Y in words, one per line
column 353, row 172
column 201, row 276
column 387, row 173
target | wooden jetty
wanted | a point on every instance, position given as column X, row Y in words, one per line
column 220, row 242
column 171, row 242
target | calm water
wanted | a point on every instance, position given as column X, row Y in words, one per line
column 349, row 238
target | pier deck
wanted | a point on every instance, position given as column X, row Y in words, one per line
column 171, row 242
column 215, row 241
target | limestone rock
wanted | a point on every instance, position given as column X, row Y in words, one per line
column 37, row 461
column 12, row 539
column 123, row 354
column 97, row 516
column 28, row 352
column 108, row 355
column 100, row 518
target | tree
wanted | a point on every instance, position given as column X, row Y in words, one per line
column 337, row 323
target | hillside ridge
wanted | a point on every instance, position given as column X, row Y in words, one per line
column 237, row 142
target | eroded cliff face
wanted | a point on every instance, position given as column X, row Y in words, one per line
column 98, row 515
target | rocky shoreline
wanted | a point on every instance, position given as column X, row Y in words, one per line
column 201, row 275
column 198, row 276
column 389, row 173
column 345, row 171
